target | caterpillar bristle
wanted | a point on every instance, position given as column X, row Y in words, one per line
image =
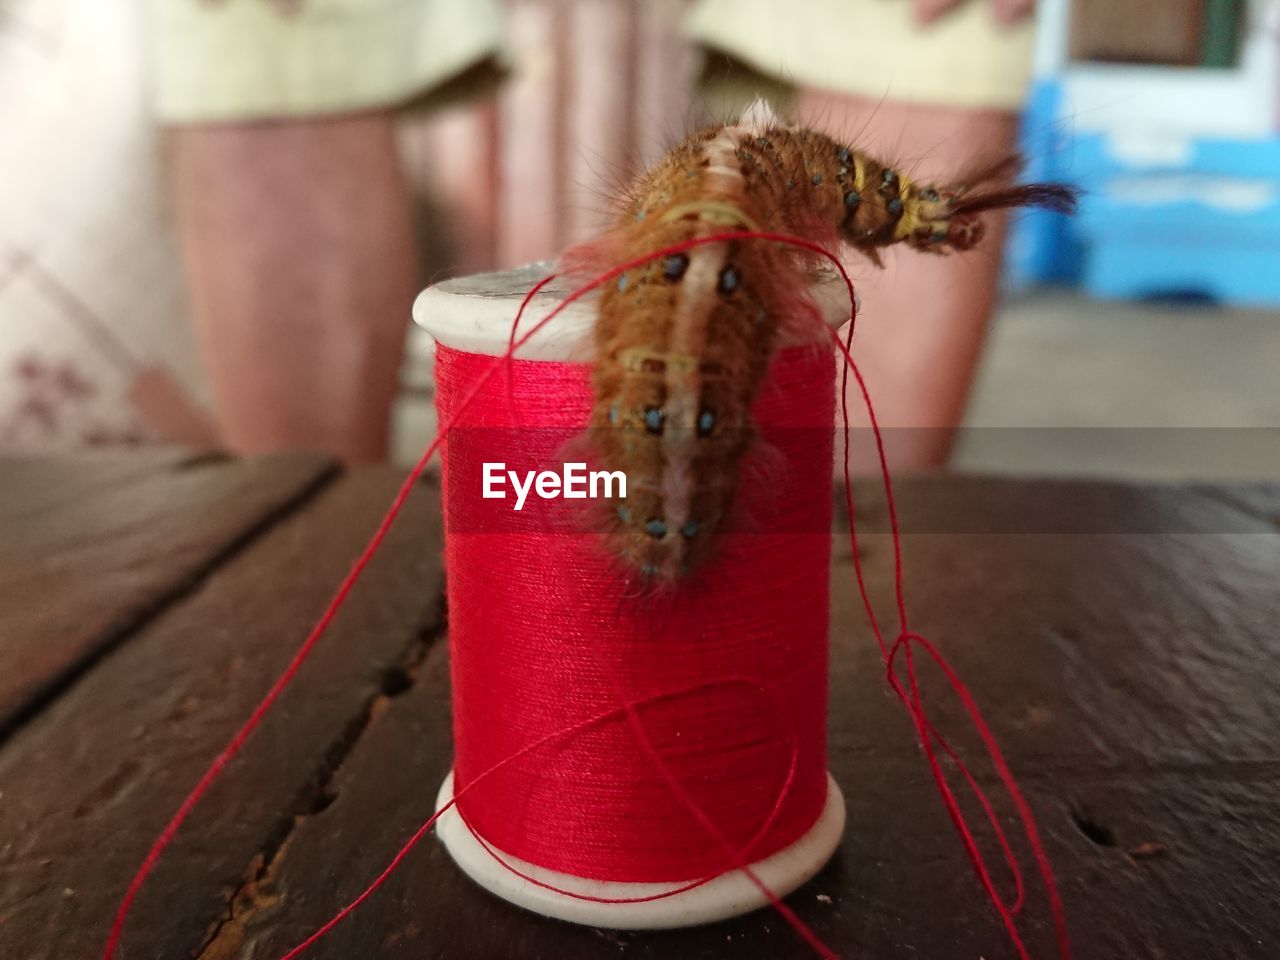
column 1048, row 196
column 683, row 342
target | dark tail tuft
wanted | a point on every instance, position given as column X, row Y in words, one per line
column 1049, row 196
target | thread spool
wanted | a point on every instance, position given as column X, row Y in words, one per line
column 591, row 896
column 543, row 633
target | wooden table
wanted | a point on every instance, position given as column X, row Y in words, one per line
column 1125, row 641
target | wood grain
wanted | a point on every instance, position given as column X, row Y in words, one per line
column 89, row 783
column 1125, row 671
column 1120, row 638
column 93, row 547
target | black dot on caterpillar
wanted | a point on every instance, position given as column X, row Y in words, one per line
column 705, row 322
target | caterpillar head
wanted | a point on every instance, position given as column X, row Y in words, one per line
column 682, row 346
column 681, row 474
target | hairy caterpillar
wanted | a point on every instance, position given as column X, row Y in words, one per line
column 683, row 344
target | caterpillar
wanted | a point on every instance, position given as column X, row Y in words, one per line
column 683, row 344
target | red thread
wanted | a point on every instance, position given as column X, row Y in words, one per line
column 543, row 628
column 926, row 732
column 567, row 733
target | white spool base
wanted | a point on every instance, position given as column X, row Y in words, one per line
column 726, row 896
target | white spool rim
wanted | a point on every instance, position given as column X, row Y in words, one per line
column 474, row 313
column 729, row 895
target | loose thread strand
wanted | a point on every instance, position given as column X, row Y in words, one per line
column 924, row 728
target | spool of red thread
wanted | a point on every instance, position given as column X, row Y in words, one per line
column 664, row 737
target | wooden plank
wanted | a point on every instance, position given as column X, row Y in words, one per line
column 34, row 485
column 1261, row 500
column 88, row 784
column 93, row 547
column 942, row 503
column 1128, row 673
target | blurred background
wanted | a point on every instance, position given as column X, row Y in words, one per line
column 215, row 215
